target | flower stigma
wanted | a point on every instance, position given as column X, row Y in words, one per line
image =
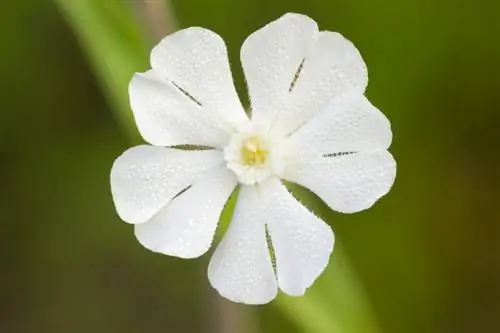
column 253, row 152
column 254, row 156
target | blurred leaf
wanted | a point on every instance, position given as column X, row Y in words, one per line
column 337, row 301
column 113, row 41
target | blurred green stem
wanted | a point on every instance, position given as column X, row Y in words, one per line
column 115, row 46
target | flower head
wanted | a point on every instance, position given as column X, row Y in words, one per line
column 310, row 124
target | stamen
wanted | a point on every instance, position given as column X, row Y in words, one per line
column 252, row 157
column 253, row 152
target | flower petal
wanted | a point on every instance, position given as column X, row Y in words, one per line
column 332, row 67
column 270, row 58
column 347, row 183
column 302, row 242
column 348, row 124
column 185, row 228
column 195, row 59
column 165, row 116
column 146, row 178
column 241, row 268
column 293, row 71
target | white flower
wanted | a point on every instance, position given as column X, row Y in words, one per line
column 311, row 124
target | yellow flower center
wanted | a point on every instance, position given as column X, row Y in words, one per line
column 253, row 152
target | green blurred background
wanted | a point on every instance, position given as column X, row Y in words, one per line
column 423, row 259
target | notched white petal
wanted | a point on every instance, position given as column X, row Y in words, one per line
column 332, row 67
column 347, row 183
column 302, row 242
column 270, row 58
column 166, row 116
column 144, row 178
column 348, row 124
column 293, row 71
column 185, row 227
column 241, row 269
column 196, row 60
